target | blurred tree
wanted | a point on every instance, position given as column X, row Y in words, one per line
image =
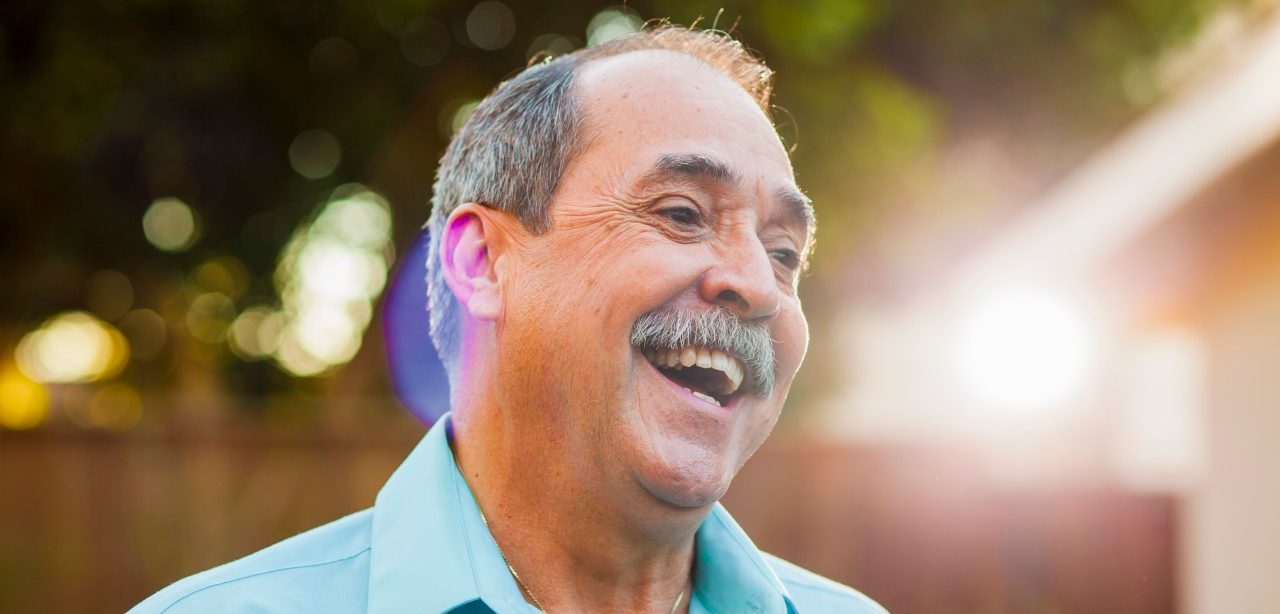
column 914, row 125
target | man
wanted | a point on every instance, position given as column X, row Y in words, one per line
column 616, row 241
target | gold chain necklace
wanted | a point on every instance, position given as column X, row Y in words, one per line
column 525, row 587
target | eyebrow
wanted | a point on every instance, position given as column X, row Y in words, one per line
column 798, row 207
column 699, row 167
column 692, row 166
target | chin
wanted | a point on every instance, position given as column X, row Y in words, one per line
column 688, row 481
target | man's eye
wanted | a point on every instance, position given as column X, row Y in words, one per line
column 788, row 258
column 685, row 216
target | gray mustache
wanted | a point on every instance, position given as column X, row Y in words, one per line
column 670, row 328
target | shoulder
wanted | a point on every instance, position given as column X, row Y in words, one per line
column 814, row 593
column 325, row 569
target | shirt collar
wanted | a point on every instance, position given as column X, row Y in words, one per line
column 433, row 553
column 732, row 575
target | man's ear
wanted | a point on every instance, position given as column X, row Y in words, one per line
column 469, row 249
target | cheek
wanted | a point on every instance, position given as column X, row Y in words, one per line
column 793, row 340
column 624, row 277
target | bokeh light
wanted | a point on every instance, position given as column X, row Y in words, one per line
column 72, row 347
column 333, row 56
column 610, row 24
column 315, row 154
column 244, row 337
column 424, row 42
column 490, row 25
column 294, row 359
column 453, row 116
column 225, row 274
column 209, row 316
column 328, row 276
column 170, row 225
column 109, row 294
column 145, row 331
column 115, row 407
column 24, row 403
column 997, row 137
column 553, row 44
column 417, row 375
column 1023, row 350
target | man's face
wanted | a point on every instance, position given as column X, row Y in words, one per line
column 684, row 201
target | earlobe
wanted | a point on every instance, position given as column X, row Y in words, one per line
column 467, row 261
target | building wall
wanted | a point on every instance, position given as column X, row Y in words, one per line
column 1231, row 528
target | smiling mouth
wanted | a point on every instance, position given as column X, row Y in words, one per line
column 709, row 374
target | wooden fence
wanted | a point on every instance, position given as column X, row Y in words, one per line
column 94, row 522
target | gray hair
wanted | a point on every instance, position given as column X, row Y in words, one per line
column 513, row 150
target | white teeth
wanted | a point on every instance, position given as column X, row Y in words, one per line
column 705, row 358
column 704, row 397
column 734, row 373
column 729, row 366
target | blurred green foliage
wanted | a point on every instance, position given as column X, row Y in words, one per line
column 107, row 105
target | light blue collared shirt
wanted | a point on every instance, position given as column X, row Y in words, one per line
column 423, row 547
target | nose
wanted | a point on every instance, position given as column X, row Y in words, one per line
column 743, row 281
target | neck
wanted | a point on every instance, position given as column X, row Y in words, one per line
column 579, row 536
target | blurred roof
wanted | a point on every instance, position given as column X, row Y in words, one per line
column 1154, row 169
